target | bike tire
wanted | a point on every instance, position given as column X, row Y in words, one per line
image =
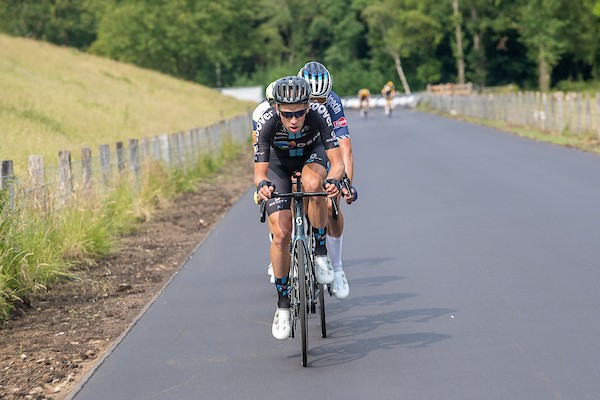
column 302, row 289
column 322, row 310
column 293, row 290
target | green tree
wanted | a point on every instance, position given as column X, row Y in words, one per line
column 402, row 28
column 543, row 33
column 582, row 35
column 65, row 22
column 198, row 40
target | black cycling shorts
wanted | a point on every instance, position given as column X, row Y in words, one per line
column 281, row 171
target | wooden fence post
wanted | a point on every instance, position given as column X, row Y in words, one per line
column 105, row 164
column 86, row 169
column 7, row 182
column 147, row 149
column 121, row 162
column 544, row 112
column 38, row 181
column 134, row 159
column 560, row 112
column 65, row 175
column 165, row 152
column 579, row 112
column 156, row 148
column 182, row 149
column 588, row 114
column 174, row 140
column 134, row 162
column 192, row 141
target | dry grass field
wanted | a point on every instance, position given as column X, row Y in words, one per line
column 54, row 98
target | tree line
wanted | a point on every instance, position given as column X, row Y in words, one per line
column 533, row 44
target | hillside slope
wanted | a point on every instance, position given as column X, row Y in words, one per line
column 54, row 98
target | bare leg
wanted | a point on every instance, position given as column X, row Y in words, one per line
column 312, row 181
column 281, row 225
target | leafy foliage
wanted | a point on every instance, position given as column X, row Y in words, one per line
column 232, row 42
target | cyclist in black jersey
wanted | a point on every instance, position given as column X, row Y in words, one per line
column 290, row 136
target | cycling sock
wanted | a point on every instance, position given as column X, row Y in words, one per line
column 320, row 239
column 334, row 245
column 282, row 286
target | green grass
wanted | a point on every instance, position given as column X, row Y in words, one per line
column 53, row 99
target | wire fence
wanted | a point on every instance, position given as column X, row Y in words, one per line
column 576, row 113
column 51, row 187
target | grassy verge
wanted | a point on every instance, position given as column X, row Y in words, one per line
column 39, row 248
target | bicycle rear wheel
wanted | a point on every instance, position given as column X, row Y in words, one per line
column 322, row 310
column 302, row 288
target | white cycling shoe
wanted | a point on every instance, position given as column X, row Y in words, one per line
column 281, row 324
column 340, row 286
column 323, row 270
column 271, row 274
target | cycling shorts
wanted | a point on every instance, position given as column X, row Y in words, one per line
column 281, row 171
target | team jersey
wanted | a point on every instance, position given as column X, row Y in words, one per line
column 336, row 110
column 387, row 90
column 363, row 93
column 258, row 111
column 271, row 134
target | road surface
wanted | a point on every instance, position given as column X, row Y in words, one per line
column 474, row 262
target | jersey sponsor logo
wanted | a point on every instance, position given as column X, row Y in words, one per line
column 340, row 123
column 322, row 109
column 263, row 118
column 335, row 106
column 290, row 144
column 284, row 144
column 333, row 139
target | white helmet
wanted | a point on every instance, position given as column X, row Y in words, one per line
column 269, row 92
column 319, row 78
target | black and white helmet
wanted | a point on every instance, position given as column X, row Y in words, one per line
column 319, row 78
column 291, row 90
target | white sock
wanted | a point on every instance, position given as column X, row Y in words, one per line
column 334, row 250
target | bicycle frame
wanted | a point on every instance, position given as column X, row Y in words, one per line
column 304, row 290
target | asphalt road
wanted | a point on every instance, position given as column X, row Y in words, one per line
column 474, row 263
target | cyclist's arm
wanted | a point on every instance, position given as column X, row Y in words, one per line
column 260, row 172
column 336, row 170
column 260, row 175
column 347, row 157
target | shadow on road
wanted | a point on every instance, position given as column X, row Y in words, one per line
column 342, row 352
column 352, row 326
column 334, row 307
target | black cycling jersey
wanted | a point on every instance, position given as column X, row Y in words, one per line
column 272, row 135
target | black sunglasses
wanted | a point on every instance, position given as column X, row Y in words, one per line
column 292, row 114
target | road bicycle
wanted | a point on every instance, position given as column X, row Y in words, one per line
column 364, row 108
column 304, row 290
column 388, row 106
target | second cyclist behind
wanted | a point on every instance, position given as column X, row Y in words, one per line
column 321, row 83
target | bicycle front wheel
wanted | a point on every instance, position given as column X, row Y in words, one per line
column 302, row 260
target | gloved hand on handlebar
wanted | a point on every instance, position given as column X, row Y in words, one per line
column 348, row 191
column 331, row 186
column 263, row 191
